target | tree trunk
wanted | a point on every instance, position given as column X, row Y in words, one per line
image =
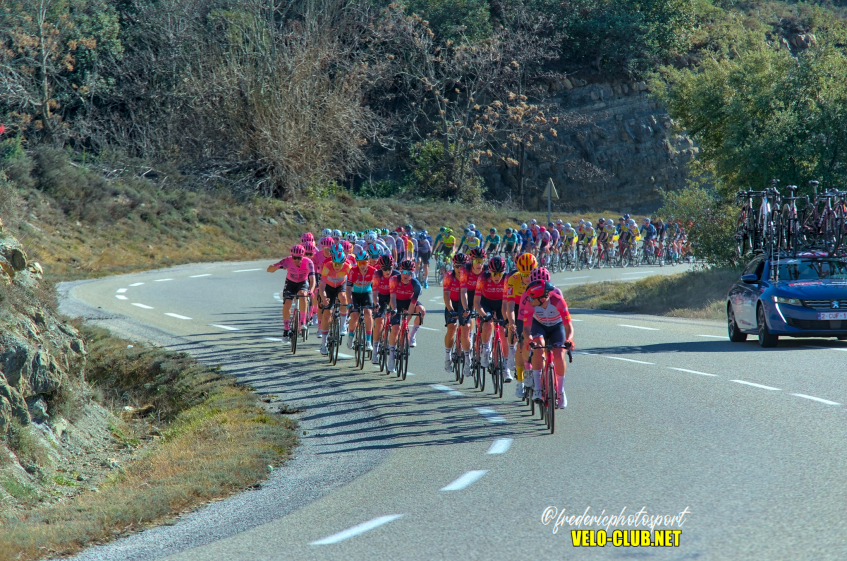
column 520, row 176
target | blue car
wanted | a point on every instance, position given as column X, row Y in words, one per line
column 802, row 296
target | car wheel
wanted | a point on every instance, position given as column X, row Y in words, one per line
column 735, row 334
column 766, row 339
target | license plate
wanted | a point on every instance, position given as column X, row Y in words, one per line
column 832, row 315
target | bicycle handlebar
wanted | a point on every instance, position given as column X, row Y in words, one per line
column 567, row 346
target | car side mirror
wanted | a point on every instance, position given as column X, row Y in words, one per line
column 750, row 279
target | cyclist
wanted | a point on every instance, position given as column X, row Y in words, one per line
column 569, row 240
column 311, row 250
column 590, row 234
column 546, row 320
column 544, row 240
column 333, row 283
column 299, row 282
column 510, row 242
column 382, row 287
column 424, row 253
column 492, row 240
column 488, row 302
column 526, row 238
column 659, row 224
column 476, row 233
column 515, row 287
column 469, row 276
column 648, row 234
column 534, row 228
column 604, row 238
column 359, row 294
column 452, row 292
column 306, row 238
column 555, row 238
column 466, row 238
column 405, row 290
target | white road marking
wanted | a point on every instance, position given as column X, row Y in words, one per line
column 585, row 277
column 827, row 348
column 429, row 328
column 490, row 414
column 228, row 328
column 246, row 270
column 446, row 389
column 500, row 446
column 572, row 319
column 358, row 529
column 585, row 353
column 341, row 355
column 142, row 306
column 276, row 295
column 638, row 273
column 137, row 284
column 410, row 373
column 629, row 360
column 198, row 276
column 813, row 398
column 712, row 336
column 691, row 371
column 755, row 385
column 162, row 280
column 177, row 316
column 121, row 297
column 465, row 480
column 639, row 327
column 122, row 290
column 274, row 339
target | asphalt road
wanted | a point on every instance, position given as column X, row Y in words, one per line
column 665, row 416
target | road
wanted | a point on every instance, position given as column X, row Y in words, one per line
column 665, row 417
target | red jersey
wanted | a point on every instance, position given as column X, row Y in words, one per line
column 361, row 281
column 382, row 284
column 334, row 277
column 469, row 278
column 490, row 289
column 453, row 285
column 405, row 292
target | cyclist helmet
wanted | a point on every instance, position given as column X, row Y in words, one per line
column 407, row 265
column 448, row 231
column 567, row 225
column 372, row 249
column 351, row 237
column 621, row 219
column 539, row 289
column 442, row 229
column 459, row 259
column 298, row 250
column 646, row 220
column 327, row 233
column 493, row 230
column 559, row 221
column 588, row 224
column 310, row 248
column 386, row 262
column 582, row 221
column 497, row 264
column 336, row 233
column 467, row 231
column 601, row 221
column 393, row 234
column 370, row 237
column 307, row 237
column 477, row 253
column 472, row 242
column 424, row 232
column 533, row 221
column 523, row 226
column 626, row 217
column 346, row 245
column 408, row 227
column 422, row 236
column 539, row 274
column 337, row 253
column 542, row 229
column 471, row 226
column 327, row 242
column 508, row 231
column 360, row 253
column 526, row 263
column 551, row 225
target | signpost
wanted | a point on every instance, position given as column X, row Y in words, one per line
column 550, row 193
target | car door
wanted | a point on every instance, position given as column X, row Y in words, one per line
column 749, row 296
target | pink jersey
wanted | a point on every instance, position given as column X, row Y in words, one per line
column 297, row 273
column 554, row 312
column 320, row 259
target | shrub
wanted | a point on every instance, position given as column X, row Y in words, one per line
column 708, row 220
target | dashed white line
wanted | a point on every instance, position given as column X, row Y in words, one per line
column 121, row 297
column 500, row 446
column 276, row 295
column 712, row 336
column 572, row 319
column 813, row 398
column 345, row 356
column 756, row 385
column 162, row 280
column 122, row 290
column 429, row 328
column 585, row 277
column 585, row 353
column 142, row 306
column 826, row 348
column 356, row 530
column 490, row 414
column 246, row 270
column 446, row 389
column 691, row 371
column 177, row 316
column 639, row 327
column 629, row 360
column 198, row 276
column 638, row 273
column 274, row 339
column 465, row 480
column 227, row 327
column 137, row 284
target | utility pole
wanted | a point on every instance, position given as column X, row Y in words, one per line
column 550, row 193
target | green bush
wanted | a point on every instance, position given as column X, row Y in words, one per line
column 712, row 223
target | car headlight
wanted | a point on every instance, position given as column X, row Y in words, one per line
column 789, row 301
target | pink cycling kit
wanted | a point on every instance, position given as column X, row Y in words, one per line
column 297, row 273
column 555, row 312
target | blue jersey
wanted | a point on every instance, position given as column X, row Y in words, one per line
column 648, row 232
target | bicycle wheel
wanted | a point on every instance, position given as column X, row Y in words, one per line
column 482, row 374
column 551, row 400
column 383, row 353
column 460, row 366
column 334, row 334
column 498, row 370
column 359, row 343
column 439, row 276
column 295, row 330
column 403, row 367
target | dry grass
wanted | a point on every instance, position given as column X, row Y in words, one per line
column 693, row 294
column 218, row 441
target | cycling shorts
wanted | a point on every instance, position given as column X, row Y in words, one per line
column 402, row 306
column 553, row 334
column 491, row 248
column 425, row 257
column 467, row 320
column 445, row 250
column 332, row 293
column 493, row 307
column 383, row 301
column 290, row 290
column 448, row 317
column 361, row 299
column 509, row 248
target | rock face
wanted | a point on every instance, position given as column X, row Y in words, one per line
column 38, row 352
column 617, row 151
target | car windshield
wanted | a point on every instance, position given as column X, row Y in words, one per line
column 811, row 269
